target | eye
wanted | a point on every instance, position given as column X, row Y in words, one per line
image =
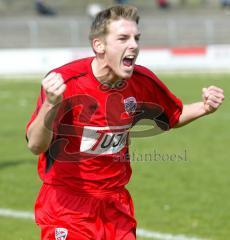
column 122, row 39
column 137, row 38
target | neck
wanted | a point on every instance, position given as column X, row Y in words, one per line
column 103, row 72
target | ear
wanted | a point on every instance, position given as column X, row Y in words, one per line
column 98, row 46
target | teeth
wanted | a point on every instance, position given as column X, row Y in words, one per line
column 130, row 57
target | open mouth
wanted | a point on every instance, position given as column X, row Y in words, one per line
column 129, row 60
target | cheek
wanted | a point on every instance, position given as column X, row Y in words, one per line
column 113, row 55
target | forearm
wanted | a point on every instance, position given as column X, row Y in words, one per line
column 212, row 99
column 190, row 113
column 40, row 132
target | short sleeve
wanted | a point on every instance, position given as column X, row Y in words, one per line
column 171, row 105
column 157, row 93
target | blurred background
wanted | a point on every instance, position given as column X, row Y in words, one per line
column 180, row 182
column 37, row 23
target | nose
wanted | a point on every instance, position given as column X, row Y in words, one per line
column 133, row 43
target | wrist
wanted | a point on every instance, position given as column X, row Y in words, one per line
column 208, row 109
column 204, row 109
column 49, row 105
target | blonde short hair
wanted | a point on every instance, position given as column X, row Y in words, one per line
column 99, row 27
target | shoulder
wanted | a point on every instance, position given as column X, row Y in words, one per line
column 147, row 74
column 74, row 69
column 141, row 70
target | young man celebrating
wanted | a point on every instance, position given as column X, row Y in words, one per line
column 80, row 130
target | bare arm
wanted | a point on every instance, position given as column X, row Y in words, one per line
column 212, row 99
column 40, row 132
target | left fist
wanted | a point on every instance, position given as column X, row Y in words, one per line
column 212, row 98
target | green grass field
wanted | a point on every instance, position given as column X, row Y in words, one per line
column 189, row 195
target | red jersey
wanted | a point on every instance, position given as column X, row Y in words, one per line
column 89, row 150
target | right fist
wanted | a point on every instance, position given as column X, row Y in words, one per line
column 54, row 87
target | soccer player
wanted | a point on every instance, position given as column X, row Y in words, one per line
column 80, row 129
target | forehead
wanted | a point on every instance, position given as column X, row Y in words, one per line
column 123, row 26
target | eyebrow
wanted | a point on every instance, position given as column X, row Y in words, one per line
column 125, row 35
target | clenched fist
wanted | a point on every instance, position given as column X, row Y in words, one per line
column 54, row 87
column 212, row 98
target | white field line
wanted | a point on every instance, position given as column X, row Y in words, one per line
column 140, row 232
column 16, row 214
column 163, row 236
column 22, row 77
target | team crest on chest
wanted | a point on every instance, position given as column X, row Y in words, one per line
column 61, row 233
column 130, row 104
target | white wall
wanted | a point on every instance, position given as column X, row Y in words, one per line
column 40, row 61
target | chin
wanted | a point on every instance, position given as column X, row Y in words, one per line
column 126, row 75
